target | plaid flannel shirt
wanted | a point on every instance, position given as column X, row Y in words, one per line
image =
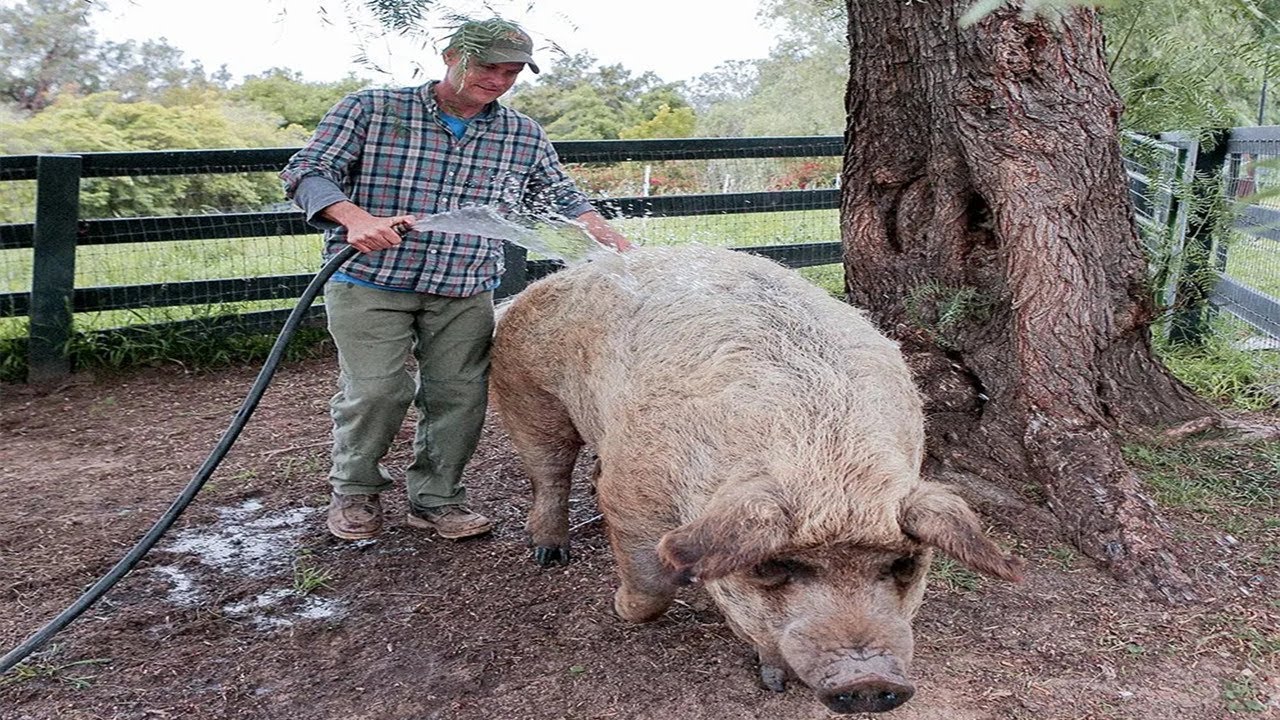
column 391, row 154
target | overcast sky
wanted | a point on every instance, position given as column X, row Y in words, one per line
column 677, row 39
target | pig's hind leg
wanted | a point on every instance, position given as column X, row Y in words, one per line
column 548, row 445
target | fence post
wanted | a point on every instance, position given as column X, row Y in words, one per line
column 1191, row 317
column 54, row 266
column 1175, row 221
column 516, row 275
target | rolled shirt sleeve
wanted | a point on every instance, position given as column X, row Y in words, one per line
column 315, row 193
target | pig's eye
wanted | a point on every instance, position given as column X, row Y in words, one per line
column 902, row 569
column 774, row 573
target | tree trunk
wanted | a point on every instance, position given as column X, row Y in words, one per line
column 986, row 224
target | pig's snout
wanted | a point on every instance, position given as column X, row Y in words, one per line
column 867, row 695
column 852, row 674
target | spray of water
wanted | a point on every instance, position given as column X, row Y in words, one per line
column 553, row 237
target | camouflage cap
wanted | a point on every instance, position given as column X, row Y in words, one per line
column 494, row 41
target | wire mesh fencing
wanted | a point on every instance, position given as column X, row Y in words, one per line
column 1248, row 254
column 149, row 239
column 1171, row 185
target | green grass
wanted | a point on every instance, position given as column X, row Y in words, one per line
column 293, row 468
column 1240, row 637
column 1242, row 694
column 156, row 262
column 308, row 578
column 1255, row 262
column 1063, row 556
column 1219, row 369
column 66, row 673
column 827, row 277
column 154, row 340
column 953, row 575
column 1213, row 479
column 188, row 346
column 181, row 261
column 1248, row 380
column 735, row 229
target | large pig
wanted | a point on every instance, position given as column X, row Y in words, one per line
column 754, row 435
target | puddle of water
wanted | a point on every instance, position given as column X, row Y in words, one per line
column 242, row 544
column 248, row 543
column 279, row 608
column 183, row 590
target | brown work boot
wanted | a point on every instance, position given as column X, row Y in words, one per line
column 450, row 521
column 354, row 517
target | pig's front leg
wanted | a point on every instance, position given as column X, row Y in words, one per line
column 647, row 586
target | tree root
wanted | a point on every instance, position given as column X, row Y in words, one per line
column 1245, row 432
column 1029, row 521
column 1101, row 505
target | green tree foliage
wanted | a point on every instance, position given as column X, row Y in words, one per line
column 578, row 101
column 42, row 50
column 47, row 49
column 104, row 122
column 730, row 81
column 152, row 70
column 1181, row 64
column 1178, row 64
column 1190, row 64
column 666, row 123
column 797, row 90
column 140, row 96
column 296, row 101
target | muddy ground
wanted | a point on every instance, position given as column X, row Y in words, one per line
column 248, row 609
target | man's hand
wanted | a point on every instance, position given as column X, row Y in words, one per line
column 377, row 233
column 366, row 232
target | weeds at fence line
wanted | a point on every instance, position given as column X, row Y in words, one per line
column 1220, row 369
column 190, row 347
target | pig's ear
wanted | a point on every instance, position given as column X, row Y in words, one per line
column 739, row 530
column 934, row 515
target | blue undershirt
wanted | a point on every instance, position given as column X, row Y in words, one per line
column 457, row 125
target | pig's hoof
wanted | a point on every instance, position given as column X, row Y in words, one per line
column 548, row 556
column 773, row 678
column 638, row 607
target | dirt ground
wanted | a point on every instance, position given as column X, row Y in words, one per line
column 248, row 609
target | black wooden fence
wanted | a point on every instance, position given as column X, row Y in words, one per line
column 1238, row 171
column 58, row 228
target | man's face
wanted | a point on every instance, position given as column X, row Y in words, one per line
column 480, row 83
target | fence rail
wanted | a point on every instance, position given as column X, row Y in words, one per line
column 58, row 231
column 1160, row 171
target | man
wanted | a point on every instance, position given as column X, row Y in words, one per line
column 378, row 159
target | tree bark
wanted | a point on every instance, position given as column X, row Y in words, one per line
column 986, row 224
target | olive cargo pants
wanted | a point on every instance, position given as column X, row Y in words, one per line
column 375, row 330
